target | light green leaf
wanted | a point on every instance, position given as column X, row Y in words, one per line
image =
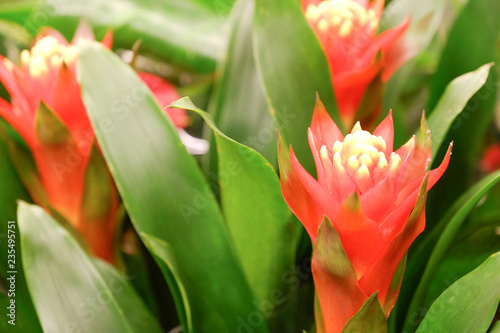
column 293, row 68
column 469, row 305
column 452, row 102
column 257, row 216
column 69, row 292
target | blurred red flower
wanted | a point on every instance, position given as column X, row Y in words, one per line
column 347, row 31
column 46, row 109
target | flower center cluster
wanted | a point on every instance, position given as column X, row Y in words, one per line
column 361, row 157
column 342, row 17
column 47, row 53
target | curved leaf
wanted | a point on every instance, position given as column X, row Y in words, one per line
column 452, row 102
column 69, row 291
column 469, row 305
column 256, row 214
column 165, row 193
column 430, row 252
column 238, row 104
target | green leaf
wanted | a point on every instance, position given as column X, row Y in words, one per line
column 469, row 305
column 462, row 257
column 431, row 251
column 238, row 104
column 185, row 33
column 165, row 193
column 452, row 102
column 49, row 128
column 12, row 190
column 257, row 216
column 370, row 318
column 293, row 68
column 69, row 291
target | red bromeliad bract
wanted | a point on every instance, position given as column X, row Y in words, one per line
column 368, row 192
column 347, row 30
column 46, row 109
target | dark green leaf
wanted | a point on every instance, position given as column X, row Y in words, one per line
column 423, row 263
column 293, row 68
column 165, row 194
column 469, row 304
column 238, row 105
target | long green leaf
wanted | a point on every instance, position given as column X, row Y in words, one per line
column 165, row 193
column 256, row 214
column 69, row 291
column 431, row 251
column 452, row 102
column 469, row 305
column 293, row 68
column 238, row 104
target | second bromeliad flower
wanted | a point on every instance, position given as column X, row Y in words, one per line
column 373, row 197
column 347, row 31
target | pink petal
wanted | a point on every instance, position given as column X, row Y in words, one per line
column 323, row 127
column 386, row 130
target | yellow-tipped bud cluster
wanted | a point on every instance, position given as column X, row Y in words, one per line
column 47, row 53
column 341, row 16
column 361, row 156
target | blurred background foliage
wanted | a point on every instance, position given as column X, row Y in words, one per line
column 255, row 66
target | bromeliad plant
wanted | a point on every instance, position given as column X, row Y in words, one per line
column 363, row 213
column 245, row 238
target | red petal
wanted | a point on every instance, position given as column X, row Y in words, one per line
column 386, row 130
column 360, row 235
column 107, row 40
column 306, row 3
column 379, row 202
column 325, row 203
column 379, row 276
column 68, row 105
column 165, row 93
column 296, row 195
column 339, row 294
column 323, row 127
column 315, row 149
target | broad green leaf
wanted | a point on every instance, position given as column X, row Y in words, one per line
column 257, row 216
column 12, row 190
column 238, row 104
column 69, row 291
column 370, row 318
column 293, row 68
column 165, row 194
column 423, row 263
column 452, row 102
column 186, row 33
column 472, row 42
column 463, row 256
column 469, row 305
